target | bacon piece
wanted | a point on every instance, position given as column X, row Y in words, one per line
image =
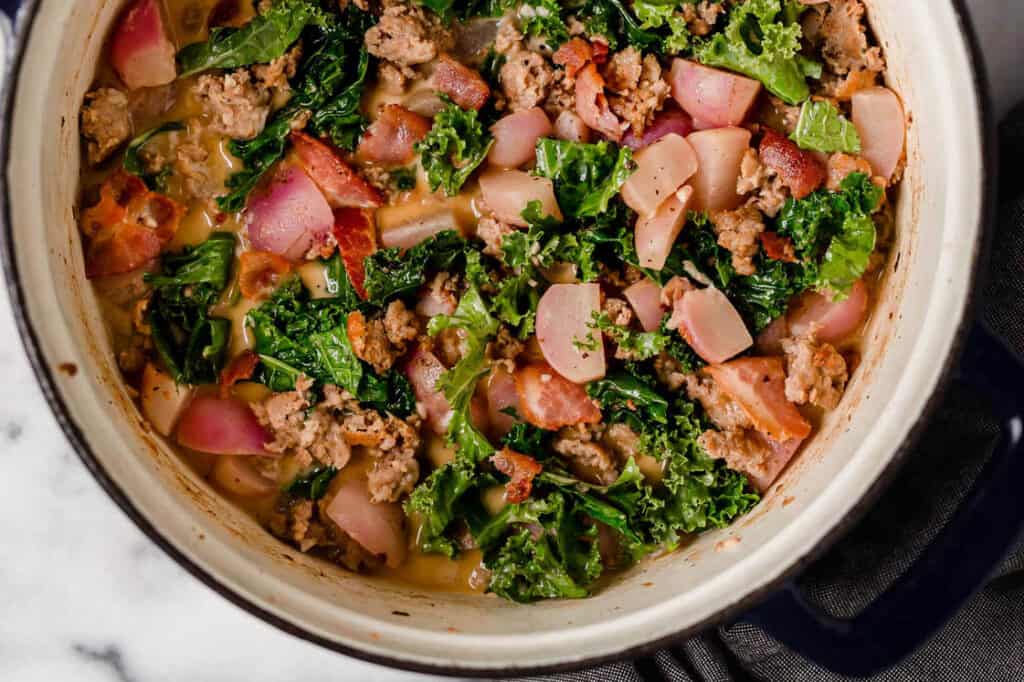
column 574, row 55
column 777, row 247
column 389, row 140
column 356, row 236
column 520, row 469
column 240, row 368
column 341, row 185
column 759, row 386
column 600, row 52
column 464, row 85
column 259, row 273
column 550, row 401
column 798, row 169
column 592, row 104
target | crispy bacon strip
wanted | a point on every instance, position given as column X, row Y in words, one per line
column 464, row 85
column 259, row 272
column 356, row 236
column 778, row 247
column 592, row 104
column 341, row 185
column 798, row 169
column 240, row 368
column 574, row 55
column 521, row 469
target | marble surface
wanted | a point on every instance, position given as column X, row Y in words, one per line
column 85, row 596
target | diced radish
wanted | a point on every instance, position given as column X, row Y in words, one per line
column 222, row 426
column 162, row 399
column 711, row 325
column 342, row 186
column 759, row 386
column 236, row 475
column 717, row 98
column 661, row 169
column 378, row 528
column 565, row 314
column 389, row 140
column 508, row 192
column 356, row 235
column 592, row 104
column 420, row 228
column 287, row 214
column 465, row 86
column 777, row 459
column 501, row 395
column 769, row 341
column 550, row 401
column 645, row 297
column 656, row 234
column 719, row 155
column 832, row 321
column 669, row 120
column 570, row 127
column 882, row 124
column 140, row 50
column 798, row 169
column 423, row 371
column 516, row 135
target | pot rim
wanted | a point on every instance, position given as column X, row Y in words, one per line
column 73, row 432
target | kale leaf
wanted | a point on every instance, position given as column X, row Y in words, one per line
column 456, row 144
column 262, row 40
column 586, row 176
column 543, row 18
column 312, row 485
column 821, row 127
column 392, row 272
column 639, row 345
column 189, row 342
column 438, row 500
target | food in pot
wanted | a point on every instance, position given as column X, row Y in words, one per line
column 496, row 303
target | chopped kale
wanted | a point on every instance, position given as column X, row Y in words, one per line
column 392, row 272
column 456, row 144
column 312, row 485
column 586, row 176
column 821, row 127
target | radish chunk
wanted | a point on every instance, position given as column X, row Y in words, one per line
column 882, row 125
column 661, row 169
column 420, row 228
column 645, row 297
column 501, row 395
column 288, row 214
column 515, row 137
column 781, row 453
column 222, row 426
column 389, row 140
column 656, row 234
column 140, row 51
column 570, row 127
column 508, row 192
column 719, row 155
column 831, row 321
column 569, row 344
column 666, row 122
column 715, row 99
column 423, row 371
column 378, row 528
column 550, row 401
column 236, row 475
column 162, row 399
column 759, row 386
column 711, row 325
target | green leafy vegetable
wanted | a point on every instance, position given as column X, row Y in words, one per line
column 639, row 345
column 613, row 20
column 763, row 42
column 390, row 272
column 456, row 144
column 543, row 18
column 312, row 485
column 823, row 128
column 189, row 342
column 629, row 398
column 662, row 14
column 586, row 176
column 262, row 40
column 847, row 256
column 133, row 164
column 437, row 501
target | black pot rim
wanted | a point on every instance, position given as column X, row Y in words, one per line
column 47, row 381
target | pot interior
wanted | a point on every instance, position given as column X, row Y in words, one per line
column 923, row 297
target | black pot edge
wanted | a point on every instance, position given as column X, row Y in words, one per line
column 48, row 384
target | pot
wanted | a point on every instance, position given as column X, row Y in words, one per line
column 919, row 323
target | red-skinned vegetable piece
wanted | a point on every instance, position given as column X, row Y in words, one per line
column 356, row 236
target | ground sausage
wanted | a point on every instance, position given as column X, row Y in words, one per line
column 725, row 412
column 743, row 450
column 767, row 193
column 235, row 105
column 589, row 460
column 406, row 35
column 844, row 40
column 525, row 80
column 738, row 231
column 815, row 372
column 637, row 89
column 106, row 122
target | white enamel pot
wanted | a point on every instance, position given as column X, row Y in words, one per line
column 917, row 327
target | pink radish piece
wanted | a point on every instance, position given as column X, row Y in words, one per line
column 656, row 234
column 423, row 371
column 507, row 192
column 709, row 322
column 379, row 528
column 781, row 453
column 662, row 168
column 501, row 395
column 140, row 51
column 288, row 214
column 515, row 137
column 569, row 126
column 236, row 475
column 567, row 341
column 222, row 426
column 421, row 228
column 882, row 124
column 645, row 297
column 719, row 154
column 833, row 320
column 162, row 399
column 717, row 99
column 667, row 121
column 769, row 341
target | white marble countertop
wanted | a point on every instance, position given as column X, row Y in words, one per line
column 85, row 596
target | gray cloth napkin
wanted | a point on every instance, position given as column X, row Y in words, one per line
column 985, row 641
